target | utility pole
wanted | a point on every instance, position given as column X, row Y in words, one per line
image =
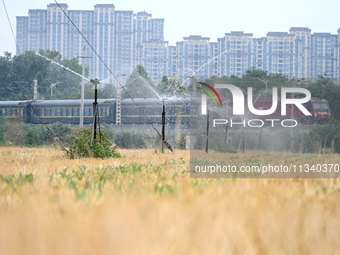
column 54, row 84
column 35, row 93
column 119, row 100
column 82, row 87
column 194, row 85
column 163, row 126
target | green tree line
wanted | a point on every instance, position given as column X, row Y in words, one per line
column 17, row 75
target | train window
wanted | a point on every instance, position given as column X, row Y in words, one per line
column 102, row 111
column 63, row 111
column 91, row 111
column 69, row 112
column 324, row 106
column 87, row 111
column 308, row 106
column 74, row 112
column 58, row 112
column 42, row 112
column 52, row 112
column 320, row 107
column 47, row 112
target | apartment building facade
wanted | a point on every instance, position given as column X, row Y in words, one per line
column 114, row 34
column 124, row 39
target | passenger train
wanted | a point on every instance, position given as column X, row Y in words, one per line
column 140, row 111
column 136, row 111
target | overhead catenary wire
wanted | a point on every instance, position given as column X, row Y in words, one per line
column 10, row 24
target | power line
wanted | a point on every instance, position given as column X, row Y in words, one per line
column 10, row 24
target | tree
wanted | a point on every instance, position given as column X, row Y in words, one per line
column 139, row 85
column 6, row 69
column 26, row 68
column 171, row 87
column 17, row 75
column 109, row 91
column 255, row 73
column 163, row 85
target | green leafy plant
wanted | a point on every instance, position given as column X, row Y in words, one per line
column 80, row 145
column 225, row 148
column 337, row 144
column 31, row 139
column 130, row 140
column 2, row 125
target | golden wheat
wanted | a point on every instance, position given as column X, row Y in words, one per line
column 152, row 206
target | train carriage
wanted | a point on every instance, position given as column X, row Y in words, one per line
column 67, row 111
column 146, row 111
column 14, row 110
column 149, row 111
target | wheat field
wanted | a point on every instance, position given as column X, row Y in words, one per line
column 146, row 203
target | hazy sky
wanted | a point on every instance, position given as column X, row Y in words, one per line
column 211, row 18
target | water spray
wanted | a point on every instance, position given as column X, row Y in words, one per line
column 60, row 65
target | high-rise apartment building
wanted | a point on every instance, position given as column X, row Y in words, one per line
column 325, row 55
column 123, row 56
column 36, row 28
column 56, row 29
column 235, row 53
column 114, row 35
column 22, row 35
column 280, row 53
column 195, row 56
column 153, row 55
column 124, row 39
